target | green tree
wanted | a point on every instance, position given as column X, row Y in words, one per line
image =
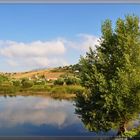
column 71, row 80
column 26, row 83
column 3, row 78
column 111, row 76
column 59, row 81
column 16, row 83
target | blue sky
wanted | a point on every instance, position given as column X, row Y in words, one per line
column 48, row 35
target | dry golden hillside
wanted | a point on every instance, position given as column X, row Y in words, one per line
column 49, row 74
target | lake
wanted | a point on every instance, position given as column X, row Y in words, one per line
column 40, row 116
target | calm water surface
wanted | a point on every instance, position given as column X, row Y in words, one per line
column 40, row 116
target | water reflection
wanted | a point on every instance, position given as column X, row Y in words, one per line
column 36, row 111
column 38, row 116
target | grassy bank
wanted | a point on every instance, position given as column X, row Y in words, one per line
column 59, row 82
column 56, row 91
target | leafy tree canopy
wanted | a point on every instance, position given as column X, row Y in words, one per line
column 3, row 78
column 111, row 76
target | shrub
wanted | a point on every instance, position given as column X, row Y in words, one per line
column 58, row 90
column 59, row 81
column 69, row 81
column 67, row 89
column 27, row 83
column 3, row 78
column 16, row 83
column 72, row 80
column 74, row 89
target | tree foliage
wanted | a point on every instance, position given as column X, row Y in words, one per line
column 3, row 78
column 26, row 83
column 111, row 76
column 59, row 81
column 71, row 80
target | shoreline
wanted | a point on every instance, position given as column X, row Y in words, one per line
column 62, row 92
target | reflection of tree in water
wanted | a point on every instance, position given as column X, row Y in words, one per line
column 94, row 119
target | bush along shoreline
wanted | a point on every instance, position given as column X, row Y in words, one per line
column 63, row 87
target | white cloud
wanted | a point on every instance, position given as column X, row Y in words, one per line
column 35, row 54
column 88, row 41
column 39, row 54
column 44, row 61
column 33, row 49
column 84, row 42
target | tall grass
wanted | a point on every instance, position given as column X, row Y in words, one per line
column 58, row 91
column 73, row 89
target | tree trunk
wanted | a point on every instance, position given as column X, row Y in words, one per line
column 122, row 129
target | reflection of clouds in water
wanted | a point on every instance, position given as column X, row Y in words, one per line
column 36, row 111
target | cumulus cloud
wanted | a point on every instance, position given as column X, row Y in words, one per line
column 34, row 54
column 84, row 41
column 89, row 41
column 33, row 49
column 52, row 53
column 44, row 62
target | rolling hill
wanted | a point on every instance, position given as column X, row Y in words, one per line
column 48, row 73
